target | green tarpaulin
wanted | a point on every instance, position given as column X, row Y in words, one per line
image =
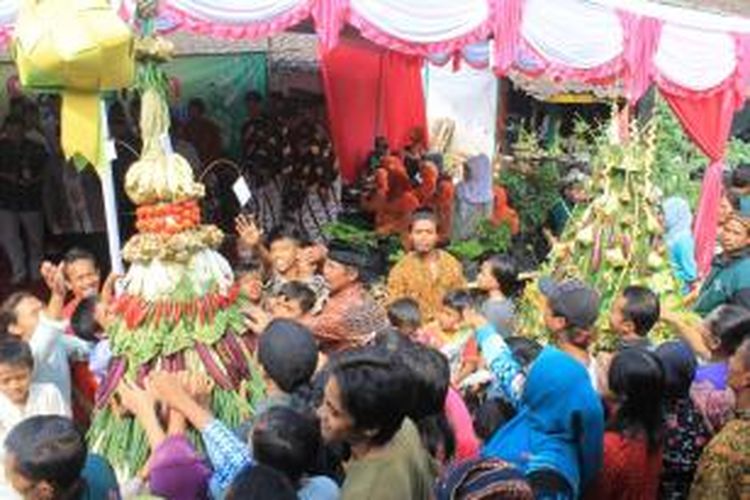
column 222, row 82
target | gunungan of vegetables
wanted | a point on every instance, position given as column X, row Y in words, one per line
column 615, row 240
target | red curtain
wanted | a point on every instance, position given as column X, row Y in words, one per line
column 370, row 91
column 707, row 121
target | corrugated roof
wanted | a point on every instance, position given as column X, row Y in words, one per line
column 729, row 7
column 287, row 50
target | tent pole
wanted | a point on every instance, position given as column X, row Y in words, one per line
column 108, row 196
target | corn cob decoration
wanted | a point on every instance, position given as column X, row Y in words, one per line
column 616, row 239
column 181, row 309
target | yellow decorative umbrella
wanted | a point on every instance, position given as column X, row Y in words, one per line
column 78, row 48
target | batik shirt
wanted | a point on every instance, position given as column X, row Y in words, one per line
column 413, row 277
column 724, row 468
column 350, row 318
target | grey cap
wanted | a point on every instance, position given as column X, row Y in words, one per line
column 572, row 299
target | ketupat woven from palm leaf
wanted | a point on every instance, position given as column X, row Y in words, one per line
column 180, row 309
column 616, row 239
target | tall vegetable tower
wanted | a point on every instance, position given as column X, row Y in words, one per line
column 180, row 309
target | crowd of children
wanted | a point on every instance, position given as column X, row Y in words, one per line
column 429, row 395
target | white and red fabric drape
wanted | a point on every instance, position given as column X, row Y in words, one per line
column 693, row 57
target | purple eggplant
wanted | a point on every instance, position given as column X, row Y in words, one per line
column 167, row 364
column 116, row 371
column 235, row 349
column 596, row 252
column 227, row 361
column 626, row 245
column 251, row 342
column 212, row 368
column 178, row 361
column 142, row 373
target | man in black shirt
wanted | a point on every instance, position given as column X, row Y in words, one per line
column 22, row 164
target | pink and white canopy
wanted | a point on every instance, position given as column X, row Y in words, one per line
column 592, row 41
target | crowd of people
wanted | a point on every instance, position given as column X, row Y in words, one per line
column 396, row 183
column 286, row 158
column 431, row 394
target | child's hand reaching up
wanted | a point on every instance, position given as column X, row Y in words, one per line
column 54, row 278
column 248, row 230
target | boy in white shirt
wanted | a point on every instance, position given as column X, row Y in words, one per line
column 24, row 316
column 19, row 397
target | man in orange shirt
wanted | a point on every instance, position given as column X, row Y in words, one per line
column 426, row 273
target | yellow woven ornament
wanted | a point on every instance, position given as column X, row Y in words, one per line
column 78, row 48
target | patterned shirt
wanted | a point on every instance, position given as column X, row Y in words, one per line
column 228, row 456
column 724, row 468
column 415, row 278
column 508, row 377
column 349, row 319
column 685, row 435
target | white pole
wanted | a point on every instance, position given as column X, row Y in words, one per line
column 108, row 194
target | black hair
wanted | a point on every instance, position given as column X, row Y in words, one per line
column 75, row 254
column 728, row 323
column 460, row 300
column 438, row 437
column 260, row 482
column 404, row 315
column 525, row 350
column 426, row 370
column 744, row 347
column 429, row 374
column 253, row 96
column 287, row 440
column 83, row 321
column 197, row 102
column 288, row 354
column 48, row 448
column 641, row 307
column 505, row 270
column 373, row 390
column 284, row 233
column 490, row 415
column 247, row 267
column 423, row 213
column 679, row 365
column 8, row 314
column 296, row 290
column 15, row 352
column 636, row 377
column 741, row 176
column 478, row 297
column 13, row 119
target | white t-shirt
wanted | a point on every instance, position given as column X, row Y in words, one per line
column 44, row 399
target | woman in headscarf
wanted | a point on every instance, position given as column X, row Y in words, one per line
column 502, row 212
column 429, row 174
column 556, row 437
column 474, row 197
column 685, row 433
column 678, row 236
column 393, row 199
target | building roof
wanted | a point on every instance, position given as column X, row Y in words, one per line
column 727, row 7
